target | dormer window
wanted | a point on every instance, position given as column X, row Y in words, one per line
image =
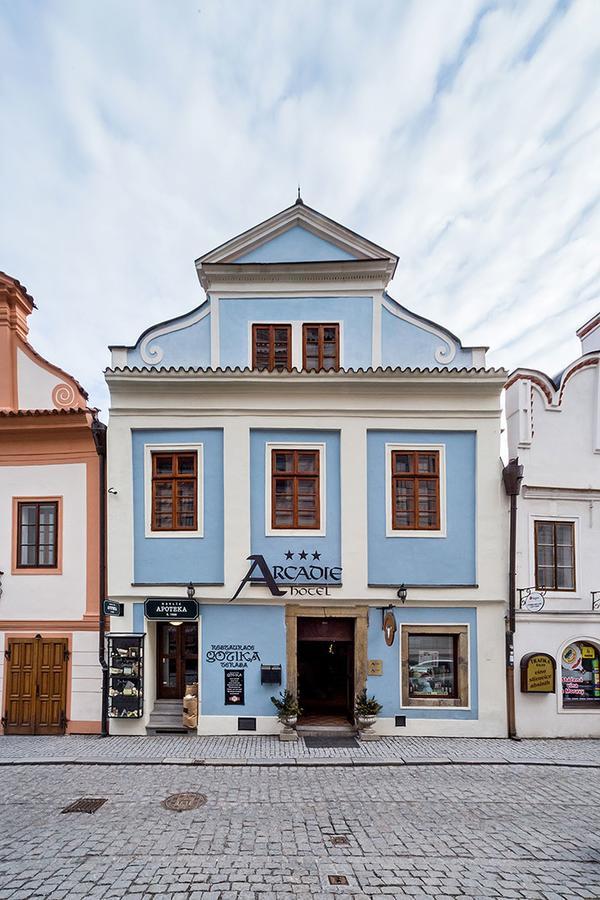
column 321, row 347
column 272, row 347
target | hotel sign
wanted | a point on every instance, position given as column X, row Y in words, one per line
column 538, row 674
column 304, row 577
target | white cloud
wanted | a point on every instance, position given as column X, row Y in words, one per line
column 463, row 135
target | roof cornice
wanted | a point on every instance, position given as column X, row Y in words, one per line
column 215, row 276
column 295, row 376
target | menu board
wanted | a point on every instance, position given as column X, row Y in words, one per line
column 234, row 687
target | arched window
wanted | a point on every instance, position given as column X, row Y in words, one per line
column 580, row 671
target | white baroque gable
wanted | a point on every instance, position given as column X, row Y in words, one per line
column 40, row 389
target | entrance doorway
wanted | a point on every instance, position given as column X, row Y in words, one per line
column 177, row 663
column 36, row 686
column 326, row 668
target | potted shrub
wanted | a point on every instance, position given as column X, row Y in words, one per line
column 287, row 708
column 366, row 710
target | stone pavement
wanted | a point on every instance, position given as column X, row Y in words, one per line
column 265, row 832
column 268, row 750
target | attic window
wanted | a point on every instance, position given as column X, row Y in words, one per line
column 321, row 347
column 272, row 347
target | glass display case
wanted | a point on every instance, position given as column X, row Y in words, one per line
column 125, row 659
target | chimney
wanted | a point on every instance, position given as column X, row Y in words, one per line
column 15, row 306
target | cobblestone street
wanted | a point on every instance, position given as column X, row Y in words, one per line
column 266, row 832
column 257, row 749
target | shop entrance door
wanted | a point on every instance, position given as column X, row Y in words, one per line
column 36, row 686
column 326, row 667
column 177, row 663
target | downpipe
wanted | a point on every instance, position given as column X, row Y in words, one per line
column 512, row 476
column 99, row 434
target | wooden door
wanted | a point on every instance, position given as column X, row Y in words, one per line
column 177, row 663
column 36, row 686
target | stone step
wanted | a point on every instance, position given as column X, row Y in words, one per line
column 165, row 718
column 326, row 730
column 169, row 729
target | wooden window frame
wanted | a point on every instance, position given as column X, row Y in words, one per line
column 415, row 477
column 174, row 478
column 295, row 476
column 461, row 650
column 271, row 367
column 320, row 345
column 19, row 568
column 554, row 523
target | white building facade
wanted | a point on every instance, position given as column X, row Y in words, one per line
column 311, row 457
column 554, row 430
column 50, row 537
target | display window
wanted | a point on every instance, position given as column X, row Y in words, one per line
column 435, row 667
column 432, row 665
column 580, row 676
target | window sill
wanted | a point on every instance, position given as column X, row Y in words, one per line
column 174, row 534
column 36, row 571
column 290, row 532
column 407, row 533
column 433, row 703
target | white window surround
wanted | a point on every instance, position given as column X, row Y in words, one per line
column 149, row 449
column 441, row 626
column 408, row 533
column 576, row 521
column 293, row 532
column 296, row 325
column 561, row 708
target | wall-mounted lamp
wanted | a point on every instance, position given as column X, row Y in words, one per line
column 112, row 491
column 191, row 591
column 174, row 623
column 402, row 593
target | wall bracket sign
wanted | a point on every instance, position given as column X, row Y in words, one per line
column 538, row 674
column 169, row 609
column 112, row 608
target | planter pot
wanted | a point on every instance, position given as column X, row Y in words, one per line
column 366, row 721
column 289, row 728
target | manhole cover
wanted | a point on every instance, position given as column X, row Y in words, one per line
column 337, row 879
column 183, row 802
column 86, row 805
column 339, row 840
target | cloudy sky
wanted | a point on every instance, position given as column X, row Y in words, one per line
column 463, row 135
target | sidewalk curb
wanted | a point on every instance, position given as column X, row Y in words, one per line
column 294, row 762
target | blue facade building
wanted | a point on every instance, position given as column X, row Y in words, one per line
column 308, row 460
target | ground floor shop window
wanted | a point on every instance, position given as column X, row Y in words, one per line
column 435, row 665
column 580, row 672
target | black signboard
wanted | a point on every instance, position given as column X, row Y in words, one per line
column 112, row 608
column 170, row 609
column 234, row 687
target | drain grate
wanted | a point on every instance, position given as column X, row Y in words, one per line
column 86, row 805
column 339, row 840
column 184, row 802
column 337, row 879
